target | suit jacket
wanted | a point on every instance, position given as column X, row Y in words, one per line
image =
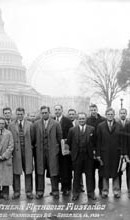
column 124, row 135
column 128, row 139
column 17, row 158
column 73, row 141
column 54, row 139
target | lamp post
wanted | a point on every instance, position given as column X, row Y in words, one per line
column 121, row 102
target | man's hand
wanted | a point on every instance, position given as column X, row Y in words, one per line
column 100, row 160
column 127, row 159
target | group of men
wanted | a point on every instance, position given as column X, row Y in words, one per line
column 63, row 148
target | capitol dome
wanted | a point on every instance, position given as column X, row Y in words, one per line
column 14, row 89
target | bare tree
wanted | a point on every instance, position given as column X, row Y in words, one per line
column 101, row 72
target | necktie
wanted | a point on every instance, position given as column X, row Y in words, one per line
column 123, row 123
column 20, row 124
column 82, row 130
column 45, row 124
column 110, row 125
column 58, row 119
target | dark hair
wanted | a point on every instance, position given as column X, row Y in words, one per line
column 109, row 109
column 93, row 106
column 7, row 108
column 20, row 109
column 71, row 109
column 124, row 109
column 59, row 105
column 2, row 118
column 80, row 113
column 45, row 107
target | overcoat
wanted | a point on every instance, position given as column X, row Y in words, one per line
column 6, row 148
column 109, row 148
column 17, row 159
column 54, row 139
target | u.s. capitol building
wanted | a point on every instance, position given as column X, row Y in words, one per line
column 15, row 91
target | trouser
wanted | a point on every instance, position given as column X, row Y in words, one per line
column 40, row 178
column 115, row 185
column 65, row 172
column 41, row 184
column 100, row 178
column 83, row 164
column 28, row 183
column 4, row 191
column 128, row 177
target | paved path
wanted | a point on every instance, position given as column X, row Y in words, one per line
column 64, row 208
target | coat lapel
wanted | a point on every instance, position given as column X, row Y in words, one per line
column 16, row 126
column 77, row 130
column 113, row 127
column 50, row 124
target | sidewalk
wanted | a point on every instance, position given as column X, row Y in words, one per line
column 64, row 208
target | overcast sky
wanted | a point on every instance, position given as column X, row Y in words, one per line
column 40, row 25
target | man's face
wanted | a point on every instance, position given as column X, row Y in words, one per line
column 20, row 115
column 82, row 119
column 58, row 110
column 45, row 114
column 72, row 115
column 123, row 114
column 2, row 124
column 93, row 111
column 110, row 115
column 7, row 114
column 32, row 117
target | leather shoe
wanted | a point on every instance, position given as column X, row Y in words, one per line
column 39, row 196
column 82, row 190
column 29, row 196
column 1, row 195
column 66, row 193
column 56, row 196
column 75, row 197
column 6, row 197
column 51, row 193
column 16, row 196
column 104, row 196
column 92, row 196
column 117, row 196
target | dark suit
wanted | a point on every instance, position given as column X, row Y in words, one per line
column 127, row 152
column 81, row 147
column 93, row 121
column 123, row 133
column 109, row 149
column 65, row 161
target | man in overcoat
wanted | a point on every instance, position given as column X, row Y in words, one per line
column 65, row 160
column 22, row 155
column 109, row 151
column 123, row 121
column 81, row 142
column 6, row 148
column 127, row 157
column 46, row 137
column 94, row 120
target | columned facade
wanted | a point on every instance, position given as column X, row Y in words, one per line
column 14, row 89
